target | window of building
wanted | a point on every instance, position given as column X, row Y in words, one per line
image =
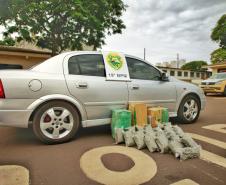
column 202, row 75
column 172, row 73
column 165, row 71
column 89, row 65
column 197, row 75
column 192, row 74
column 141, row 70
column 186, row 74
column 11, row 66
column 179, row 73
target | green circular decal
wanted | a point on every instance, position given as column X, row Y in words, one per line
column 115, row 60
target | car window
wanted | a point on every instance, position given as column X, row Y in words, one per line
column 89, row 65
column 140, row 70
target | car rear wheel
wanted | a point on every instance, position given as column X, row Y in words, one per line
column 189, row 109
column 56, row 122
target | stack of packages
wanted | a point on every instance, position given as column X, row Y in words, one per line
column 150, row 128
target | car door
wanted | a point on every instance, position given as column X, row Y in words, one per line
column 85, row 76
column 146, row 85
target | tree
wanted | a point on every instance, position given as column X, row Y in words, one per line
column 194, row 65
column 218, row 56
column 61, row 24
column 219, row 32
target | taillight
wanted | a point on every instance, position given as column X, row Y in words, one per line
column 2, row 94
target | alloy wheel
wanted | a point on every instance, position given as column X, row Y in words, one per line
column 190, row 109
column 56, row 122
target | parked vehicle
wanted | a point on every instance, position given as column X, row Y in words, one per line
column 70, row 90
column 215, row 84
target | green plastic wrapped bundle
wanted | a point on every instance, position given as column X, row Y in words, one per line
column 121, row 118
column 165, row 115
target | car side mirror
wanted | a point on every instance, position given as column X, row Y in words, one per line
column 164, row 77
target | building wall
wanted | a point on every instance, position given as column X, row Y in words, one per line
column 186, row 75
column 26, row 60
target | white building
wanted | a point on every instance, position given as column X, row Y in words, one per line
column 186, row 75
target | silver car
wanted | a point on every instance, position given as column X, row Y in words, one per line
column 70, row 90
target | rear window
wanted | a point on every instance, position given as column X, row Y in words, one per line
column 89, row 65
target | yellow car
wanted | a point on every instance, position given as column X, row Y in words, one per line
column 215, row 84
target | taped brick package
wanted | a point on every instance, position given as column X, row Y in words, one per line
column 188, row 153
column 140, row 114
column 119, row 135
column 149, row 140
column 128, row 135
column 161, row 140
column 120, row 119
column 178, row 130
column 139, row 138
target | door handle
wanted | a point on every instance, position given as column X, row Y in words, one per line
column 135, row 87
column 82, row 85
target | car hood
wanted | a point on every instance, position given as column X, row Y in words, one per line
column 213, row 80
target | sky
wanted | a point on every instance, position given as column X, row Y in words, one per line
column 168, row 27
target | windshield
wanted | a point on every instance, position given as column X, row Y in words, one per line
column 219, row 76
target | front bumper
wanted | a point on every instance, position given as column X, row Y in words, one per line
column 212, row 88
column 15, row 118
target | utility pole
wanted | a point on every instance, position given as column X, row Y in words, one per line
column 144, row 53
column 178, row 60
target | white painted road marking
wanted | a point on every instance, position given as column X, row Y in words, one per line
column 144, row 168
column 208, row 140
column 185, row 182
column 14, row 175
column 209, row 156
column 220, row 98
column 217, row 127
column 213, row 158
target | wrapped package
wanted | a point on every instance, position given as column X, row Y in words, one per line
column 161, row 140
column 140, row 114
column 170, row 133
column 128, row 135
column 120, row 119
column 165, row 115
column 119, row 136
column 149, row 139
column 178, row 131
column 188, row 141
column 155, row 112
column 148, row 129
column 175, row 147
column 139, row 138
column 188, row 153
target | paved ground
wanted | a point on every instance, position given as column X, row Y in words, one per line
column 59, row 164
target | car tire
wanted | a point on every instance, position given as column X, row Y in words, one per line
column 56, row 122
column 189, row 110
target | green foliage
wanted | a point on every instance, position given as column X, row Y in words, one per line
column 218, row 56
column 194, row 65
column 8, row 41
column 62, row 24
column 219, row 32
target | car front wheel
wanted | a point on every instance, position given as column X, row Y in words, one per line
column 56, row 122
column 189, row 109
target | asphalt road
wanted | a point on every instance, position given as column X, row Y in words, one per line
column 60, row 164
